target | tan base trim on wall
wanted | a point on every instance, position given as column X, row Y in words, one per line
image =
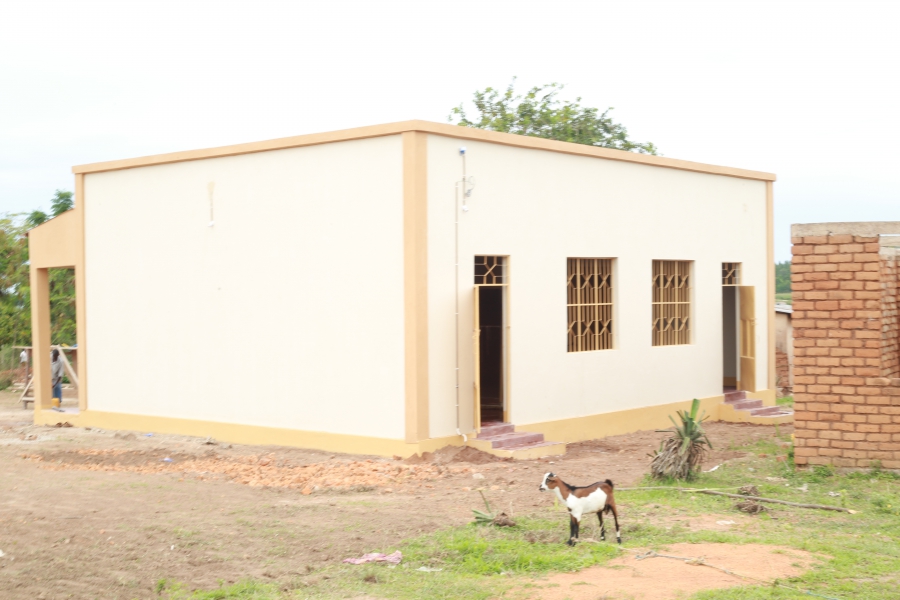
column 245, row 434
column 768, row 397
column 565, row 430
column 579, row 429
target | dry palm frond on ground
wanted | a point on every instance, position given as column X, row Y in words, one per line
column 680, row 456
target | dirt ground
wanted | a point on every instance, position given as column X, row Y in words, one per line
column 661, row 578
column 106, row 514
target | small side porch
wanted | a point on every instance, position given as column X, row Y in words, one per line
column 502, row 439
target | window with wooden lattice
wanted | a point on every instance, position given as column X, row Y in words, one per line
column 590, row 304
column 489, row 270
column 671, row 302
column 731, row 273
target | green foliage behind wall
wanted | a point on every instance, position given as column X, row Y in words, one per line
column 783, row 277
column 15, row 285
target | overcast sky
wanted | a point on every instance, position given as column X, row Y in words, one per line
column 807, row 90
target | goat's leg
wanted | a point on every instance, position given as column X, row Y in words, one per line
column 573, row 530
column 612, row 506
column 602, row 528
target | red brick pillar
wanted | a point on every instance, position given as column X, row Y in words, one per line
column 846, row 412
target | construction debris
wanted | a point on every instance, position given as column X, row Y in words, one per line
column 393, row 558
column 750, row 507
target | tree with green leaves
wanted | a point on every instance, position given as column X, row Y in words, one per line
column 783, row 277
column 15, row 284
column 15, row 312
column 540, row 113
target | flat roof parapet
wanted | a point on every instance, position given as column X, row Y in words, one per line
column 859, row 228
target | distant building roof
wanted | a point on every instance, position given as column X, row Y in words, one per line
column 784, row 308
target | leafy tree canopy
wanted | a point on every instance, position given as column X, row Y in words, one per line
column 783, row 277
column 539, row 113
column 15, row 285
column 35, row 218
column 61, row 202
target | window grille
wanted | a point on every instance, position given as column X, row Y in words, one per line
column 590, row 304
column 731, row 273
column 671, row 302
column 489, row 270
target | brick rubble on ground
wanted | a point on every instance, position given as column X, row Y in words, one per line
column 264, row 471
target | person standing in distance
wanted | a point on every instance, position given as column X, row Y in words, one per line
column 23, row 364
column 56, row 376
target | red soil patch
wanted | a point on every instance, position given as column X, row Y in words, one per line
column 252, row 470
column 455, row 454
column 667, row 579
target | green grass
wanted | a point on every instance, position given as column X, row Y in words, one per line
column 244, row 590
column 859, row 554
column 786, row 401
column 785, row 298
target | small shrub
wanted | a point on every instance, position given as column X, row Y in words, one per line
column 820, row 473
column 680, row 456
column 886, row 506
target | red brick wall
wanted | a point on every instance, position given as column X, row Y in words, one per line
column 846, row 412
column 782, row 373
column 890, row 328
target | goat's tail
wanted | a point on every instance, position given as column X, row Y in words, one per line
column 609, row 483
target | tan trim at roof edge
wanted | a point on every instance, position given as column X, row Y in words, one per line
column 466, row 133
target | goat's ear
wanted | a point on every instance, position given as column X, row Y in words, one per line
column 549, row 475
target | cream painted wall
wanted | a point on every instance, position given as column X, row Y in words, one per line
column 288, row 312
column 540, row 208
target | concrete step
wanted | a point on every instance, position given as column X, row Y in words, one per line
column 768, row 411
column 502, row 439
column 732, row 397
column 493, row 429
column 747, row 404
column 738, row 408
column 531, row 451
column 507, row 440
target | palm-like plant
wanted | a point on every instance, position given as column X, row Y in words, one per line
column 680, row 456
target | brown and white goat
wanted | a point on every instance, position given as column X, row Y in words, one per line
column 587, row 500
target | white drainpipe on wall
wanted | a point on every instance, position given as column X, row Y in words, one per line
column 456, row 210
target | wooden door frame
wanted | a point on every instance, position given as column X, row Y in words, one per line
column 747, row 337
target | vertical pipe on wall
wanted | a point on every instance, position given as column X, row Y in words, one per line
column 456, row 209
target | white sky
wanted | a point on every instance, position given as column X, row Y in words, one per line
column 807, row 90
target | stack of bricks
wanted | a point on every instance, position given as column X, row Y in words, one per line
column 890, row 323
column 846, row 390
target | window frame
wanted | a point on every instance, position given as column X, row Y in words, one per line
column 597, row 303
column 672, row 302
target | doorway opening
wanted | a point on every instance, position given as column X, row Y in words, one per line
column 738, row 331
column 490, row 352
column 63, row 340
column 731, row 366
column 491, row 396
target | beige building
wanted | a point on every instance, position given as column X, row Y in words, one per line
column 396, row 288
column 784, row 349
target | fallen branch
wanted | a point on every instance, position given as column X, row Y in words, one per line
column 673, row 489
column 714, row 492
column 774, row 501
